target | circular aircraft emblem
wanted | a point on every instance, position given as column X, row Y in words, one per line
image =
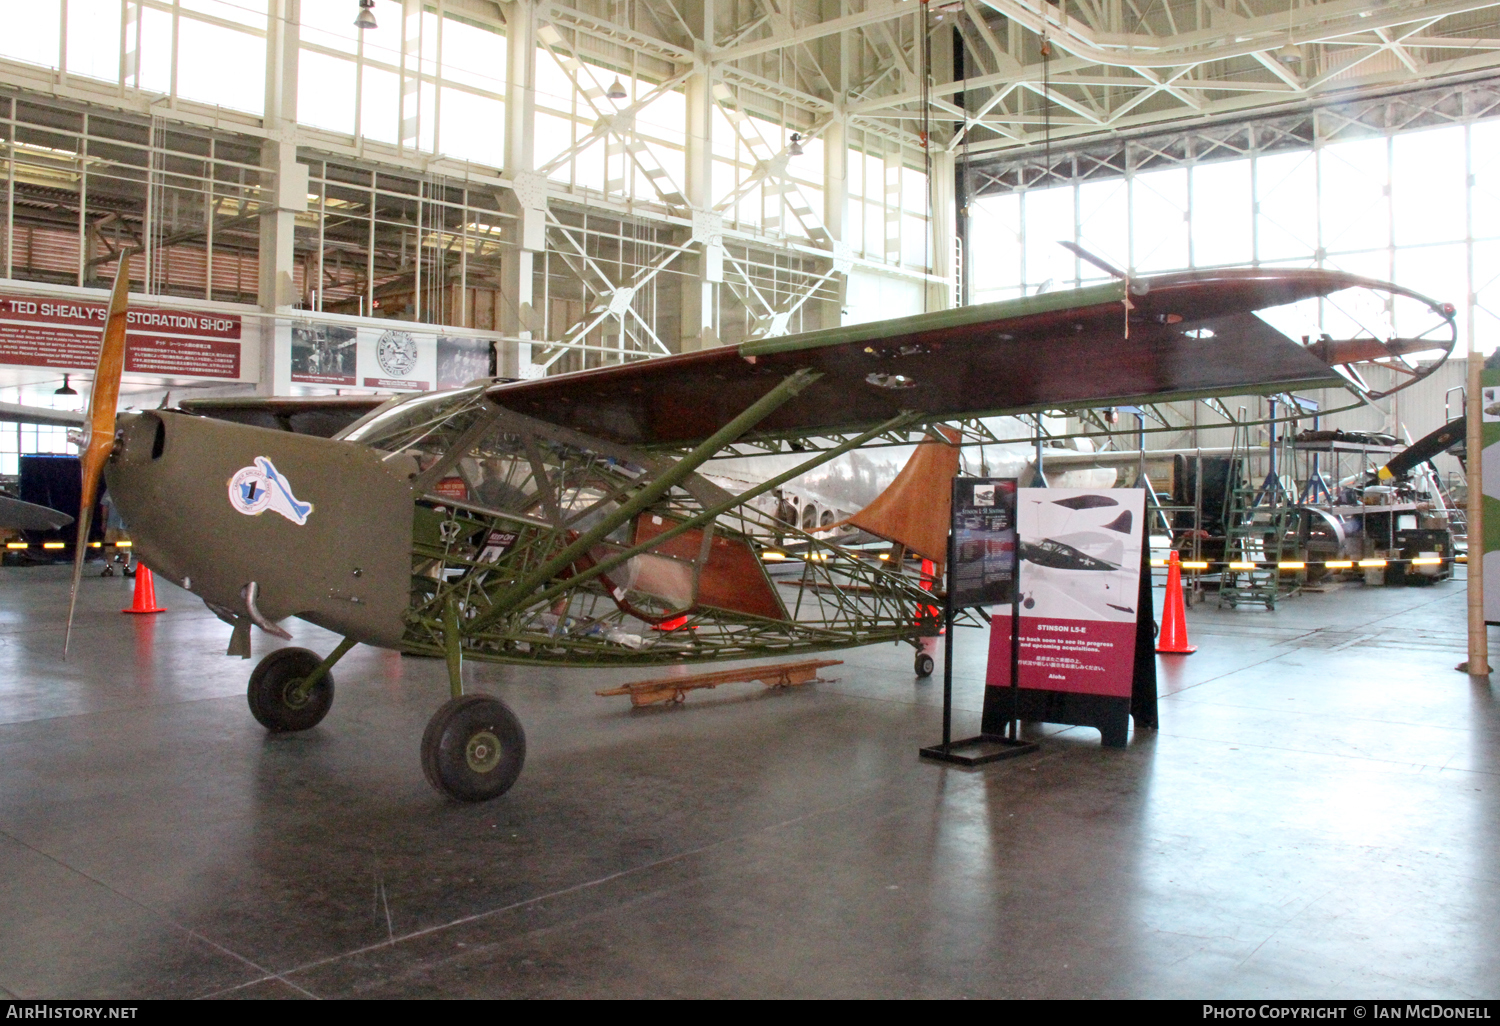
column 260, row 486
column 248, row 491
column 397, row 353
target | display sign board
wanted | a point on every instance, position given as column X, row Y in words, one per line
column 983, row 570
column 391, row 359
column 67, row 333
column 1080, row 581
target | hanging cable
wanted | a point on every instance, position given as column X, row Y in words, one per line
column 926, row 93
column 967, row 181
column 1046, row 106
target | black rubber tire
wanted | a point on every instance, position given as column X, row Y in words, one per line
column 924, row 665
column 473, row 748
column 270, row 684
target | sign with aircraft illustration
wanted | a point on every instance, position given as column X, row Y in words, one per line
column 1080, row 553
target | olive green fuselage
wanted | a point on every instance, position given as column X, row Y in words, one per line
column 345, row 567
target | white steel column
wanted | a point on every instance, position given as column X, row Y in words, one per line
column 835, row 213
column 277, row 285
column 700, row 287
column 528, row 197
column 943, row 231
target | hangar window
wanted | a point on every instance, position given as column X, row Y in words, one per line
column 1414, row 206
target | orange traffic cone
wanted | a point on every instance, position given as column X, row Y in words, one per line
column 1174, row 639
column 145, row 593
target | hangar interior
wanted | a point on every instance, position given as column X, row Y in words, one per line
column 578, row 186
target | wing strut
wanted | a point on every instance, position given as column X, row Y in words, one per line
column 789, row 387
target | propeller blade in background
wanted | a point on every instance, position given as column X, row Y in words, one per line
column 1098, row 261
column 99, row 429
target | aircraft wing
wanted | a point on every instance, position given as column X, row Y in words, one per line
column 321, row 415
column 28, row 516
column 11, row 413
column 1190, row 335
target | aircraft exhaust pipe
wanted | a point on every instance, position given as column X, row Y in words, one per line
column 249, row 593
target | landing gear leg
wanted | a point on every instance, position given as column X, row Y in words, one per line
column 473, row 748
column 291, row 689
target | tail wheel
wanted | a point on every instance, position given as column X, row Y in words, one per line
column 473, row 748
column 924, row 665
column 277, row 698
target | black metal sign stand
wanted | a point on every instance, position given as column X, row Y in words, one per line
column 987, row 747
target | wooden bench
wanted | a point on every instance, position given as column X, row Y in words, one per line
column 675, row 689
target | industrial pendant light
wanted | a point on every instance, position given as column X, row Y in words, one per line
column 366, row 17
column 616, row 90
column 795, row 149
column 1291, row 53
column 66, row 397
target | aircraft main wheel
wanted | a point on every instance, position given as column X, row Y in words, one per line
column 473, row 748
column 924, row 665
column 273, row 693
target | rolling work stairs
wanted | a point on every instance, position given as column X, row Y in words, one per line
column 1257, row 520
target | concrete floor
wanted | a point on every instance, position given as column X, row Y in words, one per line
column 1318, row 816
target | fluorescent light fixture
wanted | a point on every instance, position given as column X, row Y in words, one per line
column 1339, row 564
column 1193, row 564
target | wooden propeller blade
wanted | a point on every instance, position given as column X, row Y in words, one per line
column 99, row 427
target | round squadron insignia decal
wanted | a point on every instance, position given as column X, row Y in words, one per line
column 397, row 353
column 259, row 487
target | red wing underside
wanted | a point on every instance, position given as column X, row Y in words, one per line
column 1191, row 335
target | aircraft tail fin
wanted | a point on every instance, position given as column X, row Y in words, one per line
column 914, row 510
column 1121, row 523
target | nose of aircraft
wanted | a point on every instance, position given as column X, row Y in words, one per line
column 322, row 528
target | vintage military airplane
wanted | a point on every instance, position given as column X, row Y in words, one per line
column 566, row 521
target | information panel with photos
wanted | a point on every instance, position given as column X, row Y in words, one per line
column 984, row 541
